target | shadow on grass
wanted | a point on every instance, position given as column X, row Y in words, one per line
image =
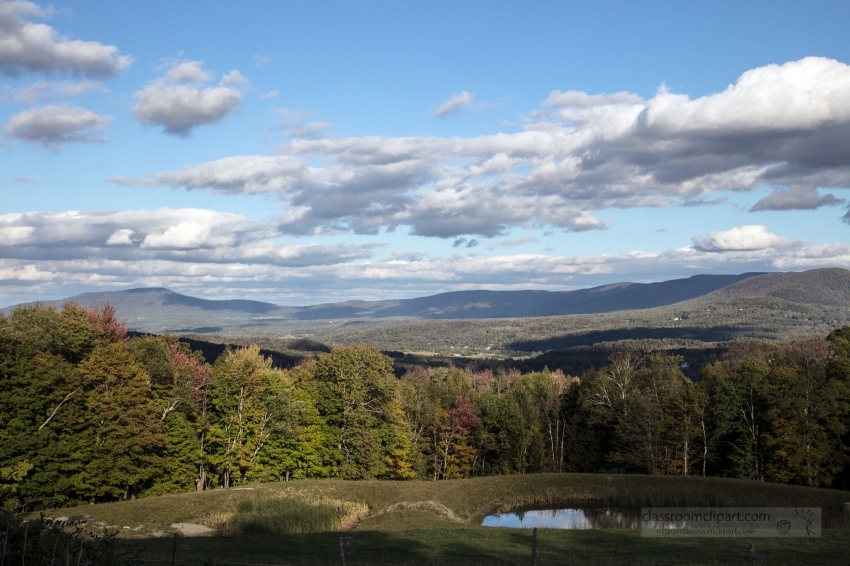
column 480, row 546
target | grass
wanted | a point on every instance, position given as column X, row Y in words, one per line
column 503, row 547
column 422, row 522
column 291, row 515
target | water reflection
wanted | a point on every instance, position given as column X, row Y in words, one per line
column 582, row 518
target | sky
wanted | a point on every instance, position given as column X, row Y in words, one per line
column 308, row 152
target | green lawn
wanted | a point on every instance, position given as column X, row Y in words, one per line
column 422, row 522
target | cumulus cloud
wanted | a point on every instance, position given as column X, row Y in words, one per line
column 781, row 126
column 743, row 238
column 233, row 78
column 454, row 104
column 38, row 48
column 188, row 72
column 120, row 237
column 183, row 99
column 52, row 126
column 796, row 198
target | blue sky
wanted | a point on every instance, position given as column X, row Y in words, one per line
column 309, row 152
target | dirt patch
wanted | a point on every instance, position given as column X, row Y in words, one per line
column 428, row 506
column 192, row 529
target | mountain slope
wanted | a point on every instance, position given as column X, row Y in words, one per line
column 829, row 287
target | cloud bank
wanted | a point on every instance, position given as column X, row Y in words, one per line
column 784, row 126
column 216, row 254
column 187, row 236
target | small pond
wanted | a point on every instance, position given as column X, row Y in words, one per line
column 580, row 518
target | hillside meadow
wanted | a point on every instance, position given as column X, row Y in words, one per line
column 425, row 522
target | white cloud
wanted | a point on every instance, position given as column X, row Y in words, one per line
column 269, row 95
column 38, row 48
column 54, row 125
column 262, row 60
column 189, row 235
column 233, row 78
column 781, row 126
column 48, row 90
column 311, row 274
column 14, row 235
column 188, row 72
column 120, row 237
column 579, row 99
column 297, row 124
column 52, row 253
column 743, row 238
column 513, row 242
column 455, row 103
column 180, row 101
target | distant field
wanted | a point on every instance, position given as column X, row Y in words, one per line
column 421, row 522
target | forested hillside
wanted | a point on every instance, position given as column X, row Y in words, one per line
column 88, row 413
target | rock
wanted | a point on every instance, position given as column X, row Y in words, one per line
column 192, row 530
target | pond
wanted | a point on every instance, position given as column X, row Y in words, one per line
column 580, row 518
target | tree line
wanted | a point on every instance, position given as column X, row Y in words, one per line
column 90, row 414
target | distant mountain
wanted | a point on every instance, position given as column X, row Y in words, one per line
column 513, row 304
column 141, row 301
column 157, row 309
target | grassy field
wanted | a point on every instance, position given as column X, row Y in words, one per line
column 438, row 522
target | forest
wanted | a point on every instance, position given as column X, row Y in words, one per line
column 90, row 413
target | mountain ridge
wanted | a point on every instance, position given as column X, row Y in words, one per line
column 453, row 304
column 162, row 309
